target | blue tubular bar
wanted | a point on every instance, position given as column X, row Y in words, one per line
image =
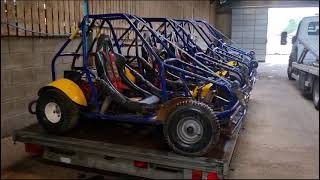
column 226, row 113
column 211, row 29
column 199, row 72
column 217, row 35
column 188, row 22
column 209, row 73
column 220, row 38
column 227, row 88
column 232, row 98
column 84, row 28
column 170, row 23
column 224, row 65
column 124, row 33
column 86, row 7
column 174, row 25
column 147, row 44
column 114, row 36
column 53, row 62
column 197, row 27
column 213, row 60
column 59, row 53
column 225, row 53
column 148, row 119
column 162, row 78
column 225, row 84
column 233, row 48
column 221, row 52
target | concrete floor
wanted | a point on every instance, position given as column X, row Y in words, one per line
column 281, row 135
column 280, row 138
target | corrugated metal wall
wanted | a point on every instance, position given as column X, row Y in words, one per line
column 249, row 29
column 62, row 16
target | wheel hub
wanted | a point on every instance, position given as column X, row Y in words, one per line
column 53, row 112
column 189, row 130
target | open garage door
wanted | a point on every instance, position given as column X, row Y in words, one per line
column 250, row 22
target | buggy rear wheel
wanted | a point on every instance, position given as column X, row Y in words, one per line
column 192, row 128
column 56, row 112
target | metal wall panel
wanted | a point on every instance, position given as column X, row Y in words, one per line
column 249, row 29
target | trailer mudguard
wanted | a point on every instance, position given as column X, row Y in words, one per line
column 69, row 88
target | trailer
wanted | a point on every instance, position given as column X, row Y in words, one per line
column 127, row 149
column 303, row 63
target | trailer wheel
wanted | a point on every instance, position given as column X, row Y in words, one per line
column 192, row 128
column 315, row 93
column 56, row 112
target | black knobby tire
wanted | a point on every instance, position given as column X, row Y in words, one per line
column 315, row 93
column 292, row 58
column 304, row 90
column 69, row 112
column 199, row 113
column 289, row 68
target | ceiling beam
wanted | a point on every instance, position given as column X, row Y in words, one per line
column 273, row 3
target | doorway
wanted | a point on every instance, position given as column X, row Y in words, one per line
column 279, row 20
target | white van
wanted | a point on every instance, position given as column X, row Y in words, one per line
column 304, row 58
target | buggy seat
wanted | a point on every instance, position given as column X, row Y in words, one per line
column 145, row 104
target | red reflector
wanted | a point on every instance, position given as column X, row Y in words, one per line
column 34, row 149
column 196, row 174
column 212, row 175
column 140, row 164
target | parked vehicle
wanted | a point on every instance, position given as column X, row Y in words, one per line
column 142, row 78
column 303, row 63
column 195, row 106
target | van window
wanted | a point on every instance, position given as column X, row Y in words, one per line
column 313, row 28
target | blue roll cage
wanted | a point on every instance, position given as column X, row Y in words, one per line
column 189, row 45
column 216, row 33
column 219, row 50
column 168, row 64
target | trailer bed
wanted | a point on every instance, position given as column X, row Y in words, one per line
column 115, row 147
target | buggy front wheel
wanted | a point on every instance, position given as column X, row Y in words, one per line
column 192, row 128
column 56, row 112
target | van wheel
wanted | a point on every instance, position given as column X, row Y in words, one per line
column 289, row 73
column 56, row 112
column 292, row 58
column 192, row 128
column 315, row 93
